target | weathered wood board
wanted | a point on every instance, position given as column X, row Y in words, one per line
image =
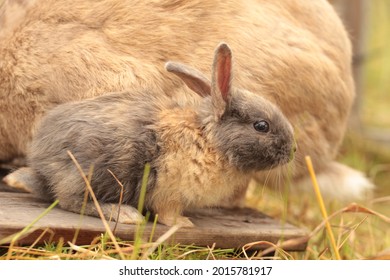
column 227, row 228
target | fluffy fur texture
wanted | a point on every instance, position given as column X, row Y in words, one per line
column 294, row 53
column 201, row 154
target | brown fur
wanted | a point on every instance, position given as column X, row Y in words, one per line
column 207, row 177
column 294, row 53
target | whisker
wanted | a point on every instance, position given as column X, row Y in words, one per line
column 267, row 177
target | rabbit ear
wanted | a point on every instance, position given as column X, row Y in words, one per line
column 221, row 78
column 194, row 79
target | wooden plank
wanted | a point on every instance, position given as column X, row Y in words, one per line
column 227, row 228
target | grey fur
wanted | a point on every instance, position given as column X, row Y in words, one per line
column 109, row 132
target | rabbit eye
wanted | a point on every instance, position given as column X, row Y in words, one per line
column 261, row 126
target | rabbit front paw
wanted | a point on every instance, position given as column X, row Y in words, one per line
column 171, row 220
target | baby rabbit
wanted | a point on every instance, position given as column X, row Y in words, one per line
column 201, row 153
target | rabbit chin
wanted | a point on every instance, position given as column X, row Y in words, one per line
column 339, row 182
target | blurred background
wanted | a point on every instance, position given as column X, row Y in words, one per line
column 368, row 23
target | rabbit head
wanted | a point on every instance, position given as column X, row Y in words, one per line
column 246, row 128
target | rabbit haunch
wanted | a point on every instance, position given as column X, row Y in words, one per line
column 202, row 153
column 294, row 53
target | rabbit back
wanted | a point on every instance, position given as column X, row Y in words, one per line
column 109, row 132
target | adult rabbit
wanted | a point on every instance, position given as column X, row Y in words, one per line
column 294, row 53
